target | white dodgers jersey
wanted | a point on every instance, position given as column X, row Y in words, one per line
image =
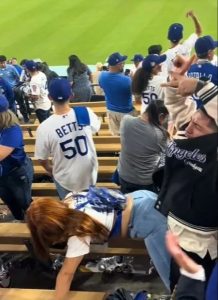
column 183, row 49
column 38, row 87
column 71, row 147
column 153, row 91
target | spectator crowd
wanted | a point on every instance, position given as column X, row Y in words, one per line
column 165, row 111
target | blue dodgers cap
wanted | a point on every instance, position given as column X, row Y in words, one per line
column 30, row 65
column 153, row 60
column 175, row 32
column 116, row 58
column 60, row 89
column 204, row 44
column 137, row 58
column 3, row 103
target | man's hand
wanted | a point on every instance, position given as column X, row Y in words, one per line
column 198, row 28
column 186, row 86
column 190, row 13
column 182, row 63
column 182, row 259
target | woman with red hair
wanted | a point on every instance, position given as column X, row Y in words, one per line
column 96, row 214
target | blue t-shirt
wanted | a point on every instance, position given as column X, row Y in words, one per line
column 18, row 68
column 12, row 137
column 10, row 74
column 117, row 89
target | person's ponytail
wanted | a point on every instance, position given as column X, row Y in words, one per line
column 154, row 110
column 140, row 81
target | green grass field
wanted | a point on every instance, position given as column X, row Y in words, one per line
column 93, row 29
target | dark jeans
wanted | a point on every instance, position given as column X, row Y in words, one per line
column 15, row 189
column 22, row 101
column 42, row 115
column 128, row 187
column 206, row 262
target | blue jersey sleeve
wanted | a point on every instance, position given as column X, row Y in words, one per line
column 204, row 71
column 12, row 137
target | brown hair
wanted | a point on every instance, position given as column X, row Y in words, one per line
column 140, row 81
column 51, row 221
column 8, row 119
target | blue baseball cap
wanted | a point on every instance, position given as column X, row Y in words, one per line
column 3, row 103
column 116, row 58
column 60, row 89
column 137, row 58
column 175, row 32
column 30, row 65
column 153, row 60
column 205, row 44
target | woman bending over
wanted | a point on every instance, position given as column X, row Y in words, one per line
column 96, row 214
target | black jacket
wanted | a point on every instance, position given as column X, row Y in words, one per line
column 189, row 188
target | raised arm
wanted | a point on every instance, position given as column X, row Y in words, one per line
column 181, row 108
column 65, row 277
column 198, row 28
column 206, row 91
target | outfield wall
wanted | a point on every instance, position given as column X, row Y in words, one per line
column 62, row 70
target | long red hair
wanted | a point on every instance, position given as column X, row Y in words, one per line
column 51, row 221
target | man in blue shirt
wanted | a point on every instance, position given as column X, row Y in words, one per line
column 8, row 72
column 117, row 89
